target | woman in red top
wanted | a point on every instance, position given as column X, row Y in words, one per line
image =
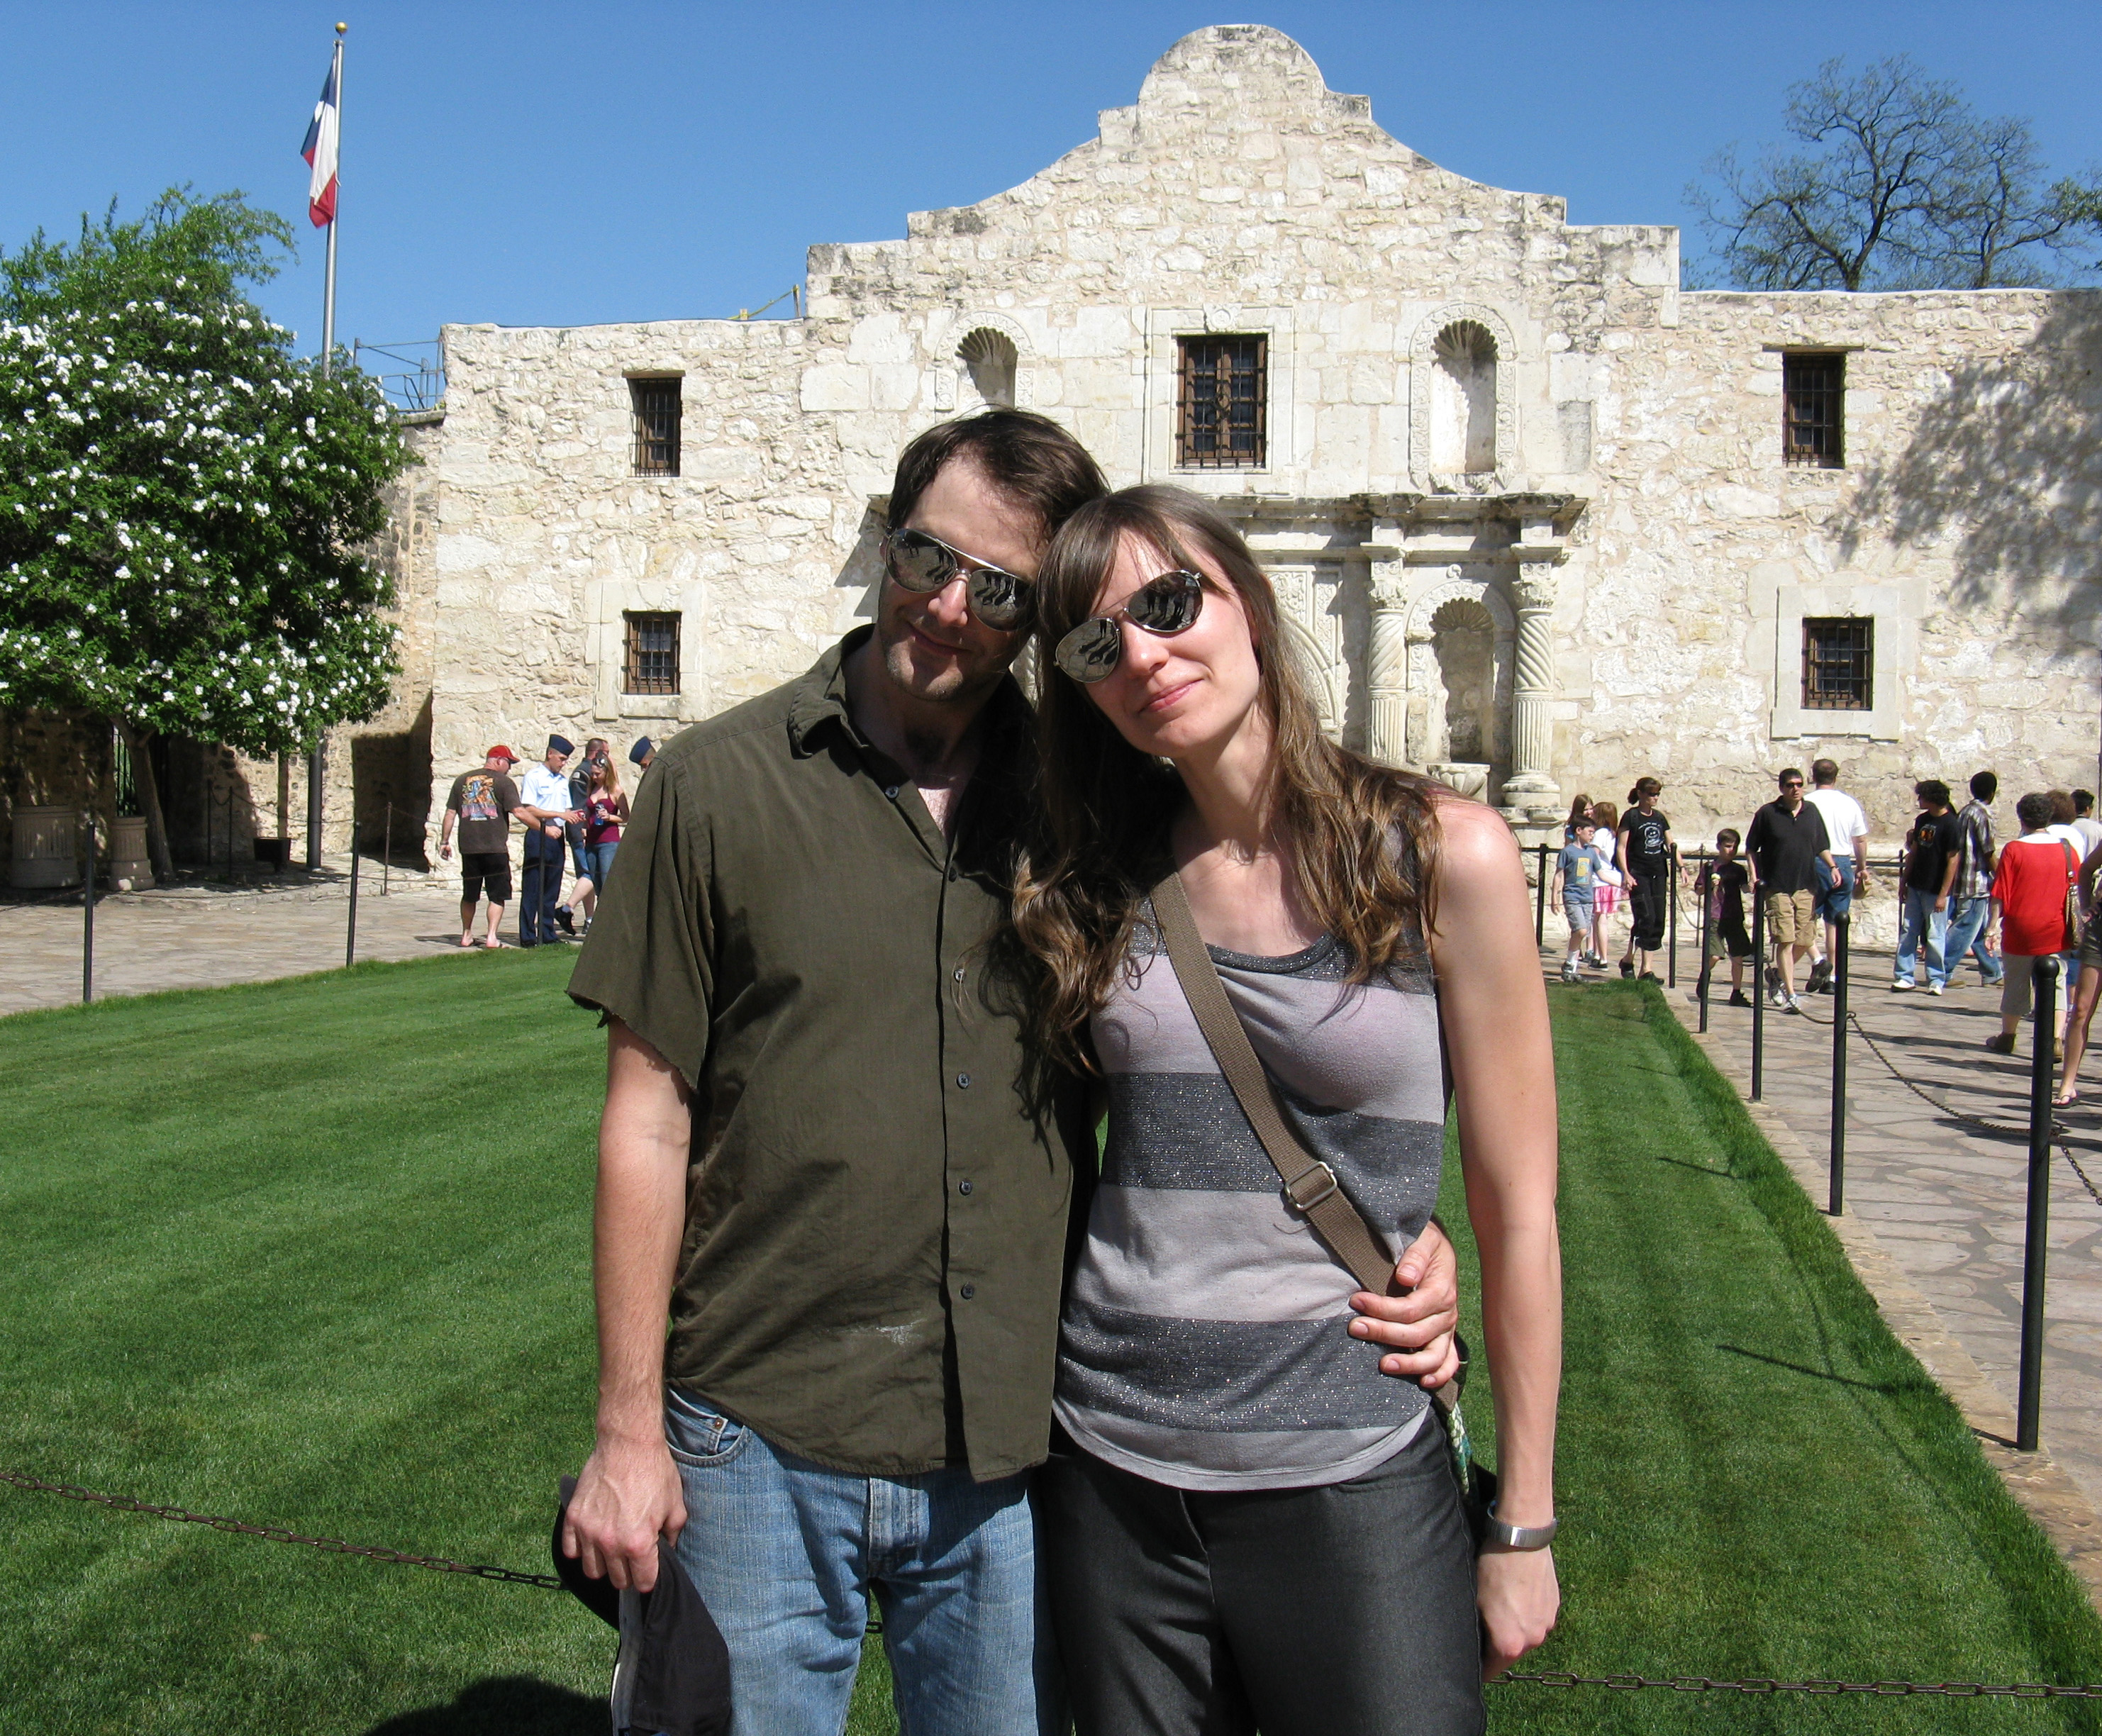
column 2035, row 874
column 605, row 812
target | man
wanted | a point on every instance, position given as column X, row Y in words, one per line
column 546, row 812
column 815, row 1150
column 1576, row 887
column 1847, row 832
column 1645, row 853
column 2036, row 872
column 1933, row 854
column 640, row 755
column 481, row 806
column 1786, row 843
column 596, row 752
column 1970, row 917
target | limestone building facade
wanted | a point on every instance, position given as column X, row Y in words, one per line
column 1543, row 522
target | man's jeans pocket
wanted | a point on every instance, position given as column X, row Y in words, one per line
column 699, row 1436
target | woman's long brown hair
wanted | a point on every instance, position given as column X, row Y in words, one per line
column 1363, row 838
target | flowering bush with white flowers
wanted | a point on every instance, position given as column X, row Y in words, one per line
column 182, row 500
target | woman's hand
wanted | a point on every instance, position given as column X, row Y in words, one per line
column 1418, row 1325
column 1516, row 1592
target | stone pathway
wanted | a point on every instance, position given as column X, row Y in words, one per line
column 207, row 934
column 1935, row 1209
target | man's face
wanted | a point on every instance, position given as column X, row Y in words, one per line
column 1791, row 792
column 556, row 759
column 931, row 645
column 497, row 762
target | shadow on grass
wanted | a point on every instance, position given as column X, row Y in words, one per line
column 505, row 1706
column 1815, row 1374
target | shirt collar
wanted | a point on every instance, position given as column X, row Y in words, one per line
column 819, row 701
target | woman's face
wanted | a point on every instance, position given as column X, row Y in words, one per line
column 1182, row 695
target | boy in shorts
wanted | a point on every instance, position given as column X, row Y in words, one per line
column 1722, row 884
column 1576, row 883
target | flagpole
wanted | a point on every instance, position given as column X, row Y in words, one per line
column 316, row 757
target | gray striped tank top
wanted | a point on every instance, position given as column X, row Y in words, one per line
column 1205, row 1341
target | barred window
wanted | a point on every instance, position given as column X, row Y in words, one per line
column 1813, row 392
column 1223, row 403
column 651, row 665
column 656, row 406
column 1838, row 664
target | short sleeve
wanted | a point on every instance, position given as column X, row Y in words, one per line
column 453, row 801
column 507, row 796
column 649, row 960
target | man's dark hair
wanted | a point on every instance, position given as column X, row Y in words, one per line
column 1786, row 772
column 1825, row 773
column 2083, row 804
column 1933, row 792
column 1028, row 459
column 2061, row 806
column 1729, row 832
column 2034, row 810
column 1985, row 786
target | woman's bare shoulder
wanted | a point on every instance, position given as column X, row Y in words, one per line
column 1472, row 836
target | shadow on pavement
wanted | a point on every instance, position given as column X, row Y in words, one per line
column 505, row 1706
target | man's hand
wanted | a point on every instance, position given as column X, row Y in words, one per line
column 1419, row 1323
column 1516, row 1592
column 626, row 1496
column 445, row 849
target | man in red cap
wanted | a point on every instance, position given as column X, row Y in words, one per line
column 482, row 805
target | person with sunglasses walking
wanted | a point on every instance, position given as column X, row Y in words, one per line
column 816, row 1159
column 1245, row 1525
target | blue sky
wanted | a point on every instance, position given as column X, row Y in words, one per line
column 562, row 164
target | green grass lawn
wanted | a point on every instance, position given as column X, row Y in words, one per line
column 314, row 1254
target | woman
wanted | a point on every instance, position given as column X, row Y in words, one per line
column 1610, row 893
column 1247, row 1525
column 606, row 813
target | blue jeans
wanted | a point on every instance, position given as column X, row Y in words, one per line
column 1922, row 927
column 598, row 859
column 1835, row 897
column 1967, row 918
column 785, row 1553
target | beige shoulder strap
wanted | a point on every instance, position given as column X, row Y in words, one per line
column 1309, row 1183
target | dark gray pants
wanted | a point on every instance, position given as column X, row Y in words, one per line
column 1343, row 1611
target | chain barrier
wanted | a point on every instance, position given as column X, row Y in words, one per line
column 277, row 1534
column 1759, row 1684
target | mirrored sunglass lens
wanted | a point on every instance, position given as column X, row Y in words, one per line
column 1091, row 651
column 1166, row 605
column 919, row 564
column 999, row 599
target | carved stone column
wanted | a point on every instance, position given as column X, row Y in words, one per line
column 1386, row 664
column 1532, row 785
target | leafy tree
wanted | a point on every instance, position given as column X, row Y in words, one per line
column 1908, row 188
column 182, row 500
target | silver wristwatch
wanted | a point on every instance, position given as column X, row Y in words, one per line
column 1495, row 1530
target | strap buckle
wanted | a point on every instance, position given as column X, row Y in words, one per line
column 1307, row 1202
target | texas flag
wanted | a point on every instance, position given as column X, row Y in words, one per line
column 320, row 152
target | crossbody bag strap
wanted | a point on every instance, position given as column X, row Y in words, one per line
column 1309, row 1183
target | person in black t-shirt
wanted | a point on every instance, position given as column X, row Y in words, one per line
column 1934, row 851
column 1646, row 853
column 1787, row 843
column 1722, row 884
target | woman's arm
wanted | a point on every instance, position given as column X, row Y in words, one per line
column 1494, row 1006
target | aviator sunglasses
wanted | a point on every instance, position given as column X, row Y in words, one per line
column 1163, row 606
column 923, row 565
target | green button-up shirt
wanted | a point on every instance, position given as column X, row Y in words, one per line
column 876, row 1223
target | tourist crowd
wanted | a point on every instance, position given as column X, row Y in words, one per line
column 1963, row 893
column 570, row 814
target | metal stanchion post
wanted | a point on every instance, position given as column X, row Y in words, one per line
column 1837, row 1198
column 87, row 920
column 2042, row 1039
column 1540, row 901
column 1759, row 998
column 1671, row 946
column 350, row 931
column 386, row 851
column 1707, row 968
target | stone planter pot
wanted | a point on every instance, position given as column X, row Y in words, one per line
column 46, row 846
column 129, row 866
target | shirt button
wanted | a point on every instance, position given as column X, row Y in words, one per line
column 964, row 1081
column 890, row 791
column 952, row 873
column 968, row 1291
column 958, row 973
column 963, row 1187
